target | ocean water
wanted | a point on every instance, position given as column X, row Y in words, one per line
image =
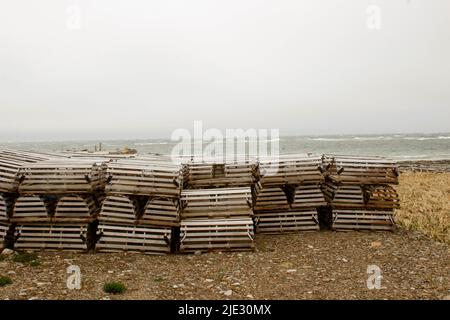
column 397, row 146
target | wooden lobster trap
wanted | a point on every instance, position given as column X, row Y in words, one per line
column 119, row 210
column 216, row 234
column 360, row 170
column 290, row 169
column 38, row 236
column 52, row 222
column 144, row 177
column 146, row 239
column 269, row 199
column 32, row 209
column 361, row 196
column 75, row 208
column 307, row 196
column 75, row 176
column 287, row 221
column 343, row 195
column 289, row 208
column 362, row 219
column 216, row 173
column 380, row 197
column 10, row 163
column 216, row 203
column 161, row 211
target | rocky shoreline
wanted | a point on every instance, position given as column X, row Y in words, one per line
column 424, row 165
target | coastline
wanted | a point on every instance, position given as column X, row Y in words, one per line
column 424, row 165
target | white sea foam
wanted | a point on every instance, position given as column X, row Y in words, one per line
column 150, row 143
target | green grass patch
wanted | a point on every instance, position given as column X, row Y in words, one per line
column 35, row 263
column 4, row 281
column 31, row 259
column 114, row 288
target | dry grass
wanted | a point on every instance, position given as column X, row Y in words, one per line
column 425, row 204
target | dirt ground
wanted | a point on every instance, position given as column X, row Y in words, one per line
column 312, row 265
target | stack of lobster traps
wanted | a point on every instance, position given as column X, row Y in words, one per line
column 288, row 195
column 10, row 163
column 216, row 209
column 141, row 206
column 57, row 204
column 360, row 192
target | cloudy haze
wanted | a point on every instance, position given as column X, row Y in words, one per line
column 140, row 69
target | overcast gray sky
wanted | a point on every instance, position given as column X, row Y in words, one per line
column 140, row 69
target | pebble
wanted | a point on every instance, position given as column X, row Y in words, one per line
column 249, row 296
column 209, row 280
column 198, row 252
column 7, row 252
column 228, row 292
column 375, row 244
column 110, row 271
column 291, row 270
column 11, row 272
column 345, row 260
